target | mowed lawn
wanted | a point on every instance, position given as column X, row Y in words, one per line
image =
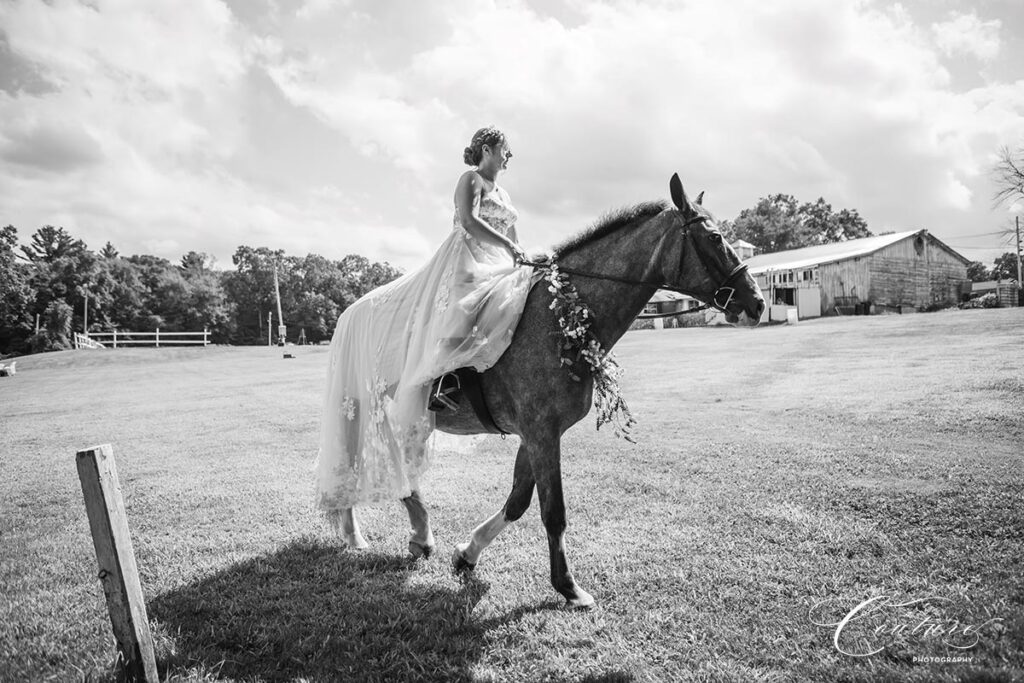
column 783, row 476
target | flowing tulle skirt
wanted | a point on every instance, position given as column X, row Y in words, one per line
column 459, row 309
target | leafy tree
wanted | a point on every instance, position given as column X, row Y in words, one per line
column 772, row 224
column 15, row 296
column 816, row 223
column 314, row 295
column 314, row 290
column 978, row 272
column 203, row 304
column 156, row 293
column 379, row 274
column 188, row 297
column 62, row 268
column 50, row 243
column 118, row 294
column 195, row 263
column 364, row 276
column 1005, row 267
column 250, row 289
column 847, row 224
column 55, row 333
column 728, row 229
column 779, row 222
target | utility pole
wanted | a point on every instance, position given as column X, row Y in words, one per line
column 280, row 318
column 85, row 304
column 270, row 317
column 1020, row 283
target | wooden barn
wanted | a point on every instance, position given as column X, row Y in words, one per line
column 901, row 272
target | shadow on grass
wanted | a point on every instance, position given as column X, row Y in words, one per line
column 317, row 611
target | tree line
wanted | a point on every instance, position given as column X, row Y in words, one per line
column 55, row 285
column 49, row 289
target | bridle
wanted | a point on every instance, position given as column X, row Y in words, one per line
column 720, row 300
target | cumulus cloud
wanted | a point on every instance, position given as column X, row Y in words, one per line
column 966, row 34
column 55, row 145
column 337, row 127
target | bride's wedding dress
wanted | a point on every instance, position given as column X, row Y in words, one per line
column 459, row 309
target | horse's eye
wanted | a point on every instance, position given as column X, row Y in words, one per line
column 715, row 237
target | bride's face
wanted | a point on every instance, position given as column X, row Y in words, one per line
column 498, row 155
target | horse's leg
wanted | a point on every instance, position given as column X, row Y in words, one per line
column 546, row 462
column 468, row 554
column 421, row 539
column 345, row 525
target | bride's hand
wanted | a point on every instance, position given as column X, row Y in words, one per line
column 518, row 255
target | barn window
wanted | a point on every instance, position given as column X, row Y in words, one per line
column 919, row 245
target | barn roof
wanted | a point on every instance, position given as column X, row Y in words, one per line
column 825, row 253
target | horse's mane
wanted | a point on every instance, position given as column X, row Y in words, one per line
column 609, row 223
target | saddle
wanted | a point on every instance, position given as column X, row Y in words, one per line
column 450, row 391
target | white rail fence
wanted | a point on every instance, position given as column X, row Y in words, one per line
column 103, row 340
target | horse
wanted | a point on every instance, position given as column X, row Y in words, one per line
column 617, row 266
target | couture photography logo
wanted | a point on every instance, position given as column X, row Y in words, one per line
column 883, row 621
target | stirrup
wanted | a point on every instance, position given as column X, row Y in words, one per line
column 441, row 392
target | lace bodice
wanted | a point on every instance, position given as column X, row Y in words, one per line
column 496, row 210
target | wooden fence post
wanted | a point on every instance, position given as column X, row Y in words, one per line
column 118, row 571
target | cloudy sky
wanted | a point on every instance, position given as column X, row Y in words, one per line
column 337, row 126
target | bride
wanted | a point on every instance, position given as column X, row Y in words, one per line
column 459, row 309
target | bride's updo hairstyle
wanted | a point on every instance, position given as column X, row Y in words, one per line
column 489, row 136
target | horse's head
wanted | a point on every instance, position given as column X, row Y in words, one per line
column 708, row 267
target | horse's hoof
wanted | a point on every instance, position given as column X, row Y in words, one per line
column 418, row 550
column 355, row 541
column 460, row 565
column 581, row 601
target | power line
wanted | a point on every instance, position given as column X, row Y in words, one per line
column 980, row 234
column 976, row 248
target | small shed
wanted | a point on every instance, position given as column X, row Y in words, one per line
column 667, row 301
column 1007, row 292
column 664, row 303
column 900, row 271
column 744, row 249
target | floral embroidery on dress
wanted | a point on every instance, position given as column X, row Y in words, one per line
column 348, row 407
column 444, row 291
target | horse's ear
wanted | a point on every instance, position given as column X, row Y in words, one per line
column 700, row 198
column 675, row 186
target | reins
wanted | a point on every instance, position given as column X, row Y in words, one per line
column 724, row 288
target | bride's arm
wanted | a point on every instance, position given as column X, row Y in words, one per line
column 467, row 195
column 535, row 254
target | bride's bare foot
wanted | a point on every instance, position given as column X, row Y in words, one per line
column 356, row 541
column 343, row 522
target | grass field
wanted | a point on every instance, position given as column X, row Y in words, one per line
column 783, row 476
